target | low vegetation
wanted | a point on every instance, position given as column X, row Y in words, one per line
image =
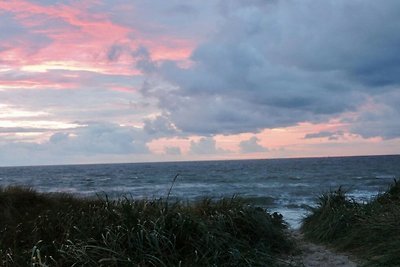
column 369, row 230
column 39, row 229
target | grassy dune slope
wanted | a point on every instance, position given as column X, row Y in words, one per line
column 61, row 230
column 370, row 230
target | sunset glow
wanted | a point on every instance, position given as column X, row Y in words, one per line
column 196, row 81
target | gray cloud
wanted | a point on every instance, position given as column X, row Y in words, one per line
column 205, row 146
column 182, row 10
column 251, row 146
column 102, row 138
column 23, row 130
column 363, row 46
column 59, row 137
column 84, row 142
column 143, row 60
column 115, row 51
column 159, row 126
column 9, row 27
column 174, row 18
column 277, row 63
column 14, row 34
column 381, row 119
column 51, row 2
column 94, row 100
column 325, row 134
column 258, row 64
column 172, row 150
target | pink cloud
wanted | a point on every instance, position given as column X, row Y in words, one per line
column 83, row 40
column 172, row 49
column 35, row 83
column 124, row 89
column 280, row 142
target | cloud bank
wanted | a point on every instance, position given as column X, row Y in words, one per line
column 278, row 63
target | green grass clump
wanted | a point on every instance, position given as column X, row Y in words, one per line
column 369, row 230
column 39, row 229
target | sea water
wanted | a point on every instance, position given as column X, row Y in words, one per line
column 288, row 186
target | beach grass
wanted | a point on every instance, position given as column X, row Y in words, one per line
column 370, row 230
column 55, row 229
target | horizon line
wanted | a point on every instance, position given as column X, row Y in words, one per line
column 200, row 160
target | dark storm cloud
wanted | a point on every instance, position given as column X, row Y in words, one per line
column 278, row 63
column 357, row 37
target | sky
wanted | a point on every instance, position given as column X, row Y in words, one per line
column 135, row 81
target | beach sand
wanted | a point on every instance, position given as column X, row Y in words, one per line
column 313, row 255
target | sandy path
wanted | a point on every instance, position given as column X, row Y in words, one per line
column 318, row 256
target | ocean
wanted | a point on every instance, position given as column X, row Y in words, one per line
column 288, row 186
